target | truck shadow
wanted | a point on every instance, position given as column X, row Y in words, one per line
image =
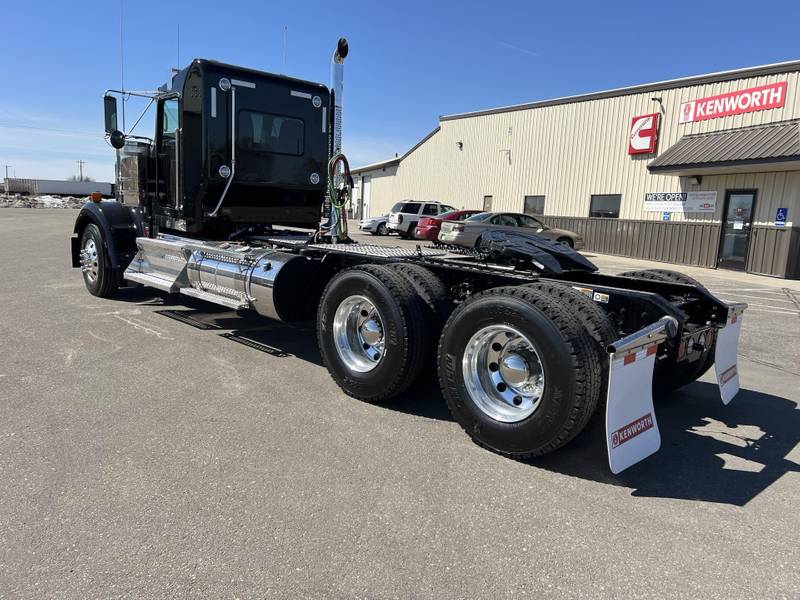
column 709, row 452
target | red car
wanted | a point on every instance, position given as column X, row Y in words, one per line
column 428, row 227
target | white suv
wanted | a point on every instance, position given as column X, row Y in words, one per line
column 405, row 215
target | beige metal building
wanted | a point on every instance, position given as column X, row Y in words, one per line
column 702, row 170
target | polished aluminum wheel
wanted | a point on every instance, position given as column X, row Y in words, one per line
column 503, row 373
column 89, row 259
column 358, row 334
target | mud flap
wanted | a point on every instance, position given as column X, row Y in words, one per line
column 725, row 364
column 631, row 427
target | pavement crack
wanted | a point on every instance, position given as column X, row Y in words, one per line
column 793, row 299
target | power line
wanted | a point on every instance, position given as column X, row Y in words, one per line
column 36, row 128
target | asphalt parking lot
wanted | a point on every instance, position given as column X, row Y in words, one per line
column 152, row 446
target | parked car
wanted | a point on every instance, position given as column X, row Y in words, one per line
column 375, row 225
column 428, row 227
column 405, row 215
column 467, row 233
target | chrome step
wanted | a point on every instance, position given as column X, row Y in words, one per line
column 161, row 283
column 209, row 297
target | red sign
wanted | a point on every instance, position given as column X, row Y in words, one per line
column 644, row 134
column 763, row 97
column 631, row 430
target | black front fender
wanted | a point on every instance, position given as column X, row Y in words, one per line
column 120, row 225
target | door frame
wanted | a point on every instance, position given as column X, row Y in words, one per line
column 724, row 218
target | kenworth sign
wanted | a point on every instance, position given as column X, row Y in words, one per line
column 763, row 97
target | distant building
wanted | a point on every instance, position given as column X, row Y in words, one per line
column 54, row 187
column 702, row 170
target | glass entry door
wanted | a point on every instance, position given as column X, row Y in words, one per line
column 736, row 227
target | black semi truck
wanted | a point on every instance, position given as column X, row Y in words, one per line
column 528, row 339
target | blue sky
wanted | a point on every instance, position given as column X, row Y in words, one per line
column 410, row 61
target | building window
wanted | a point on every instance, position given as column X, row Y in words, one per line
column 605, row 206
column 487, row 204
column 533, row 205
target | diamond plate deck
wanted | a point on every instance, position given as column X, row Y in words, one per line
column 378, row 251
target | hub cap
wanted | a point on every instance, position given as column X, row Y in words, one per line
column 358, row 334
column 503, row 373
column 89, row 263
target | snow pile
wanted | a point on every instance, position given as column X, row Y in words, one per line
column 19, row 201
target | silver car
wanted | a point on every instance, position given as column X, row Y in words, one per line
column 468, row 232
column 375, row 225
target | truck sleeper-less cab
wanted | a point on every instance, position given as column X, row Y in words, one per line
column 529, row 340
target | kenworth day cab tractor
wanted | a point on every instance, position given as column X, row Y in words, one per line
column 529, row 340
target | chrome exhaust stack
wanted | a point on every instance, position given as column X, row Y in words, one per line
column 337, row 91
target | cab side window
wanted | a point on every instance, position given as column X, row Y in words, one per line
column 430, row 210
column 169, row 118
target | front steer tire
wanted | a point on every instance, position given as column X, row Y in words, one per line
column 403, row 331
column 100, row 277
column 565, row 348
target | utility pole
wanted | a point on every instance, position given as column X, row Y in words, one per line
column 7, row 167
column 80, row 166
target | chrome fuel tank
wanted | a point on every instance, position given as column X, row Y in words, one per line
column 272, row 282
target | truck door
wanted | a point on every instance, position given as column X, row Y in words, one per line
column 168, row 152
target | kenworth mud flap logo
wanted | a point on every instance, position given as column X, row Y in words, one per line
column 631, row 430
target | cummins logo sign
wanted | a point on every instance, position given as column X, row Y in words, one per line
column 644, row 134
column 763, row 97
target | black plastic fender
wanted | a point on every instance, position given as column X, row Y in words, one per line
column 120, row 226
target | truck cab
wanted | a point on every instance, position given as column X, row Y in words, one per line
column 232, row 148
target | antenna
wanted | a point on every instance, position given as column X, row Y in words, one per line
column 285, row 30
column 178, row 66
column 121, row 62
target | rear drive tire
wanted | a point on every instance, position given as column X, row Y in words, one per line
column 435, row 302
column 98, row 274
column 371, row 332
column 494, row 349
column 597, row 323
column 670, row 375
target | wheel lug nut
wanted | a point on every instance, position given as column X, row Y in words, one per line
column 517, row 400
column 501, row 387
column 364, row 313
column 497, row 346
column 493, row 366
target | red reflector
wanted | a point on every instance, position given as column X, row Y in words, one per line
column 629, row 358
column 651, row 350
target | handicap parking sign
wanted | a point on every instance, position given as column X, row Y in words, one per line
column 780, row 217
column 665, row 216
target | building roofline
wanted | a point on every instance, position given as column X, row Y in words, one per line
column 377, row 165
column 396, row 160
column 742, row 73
